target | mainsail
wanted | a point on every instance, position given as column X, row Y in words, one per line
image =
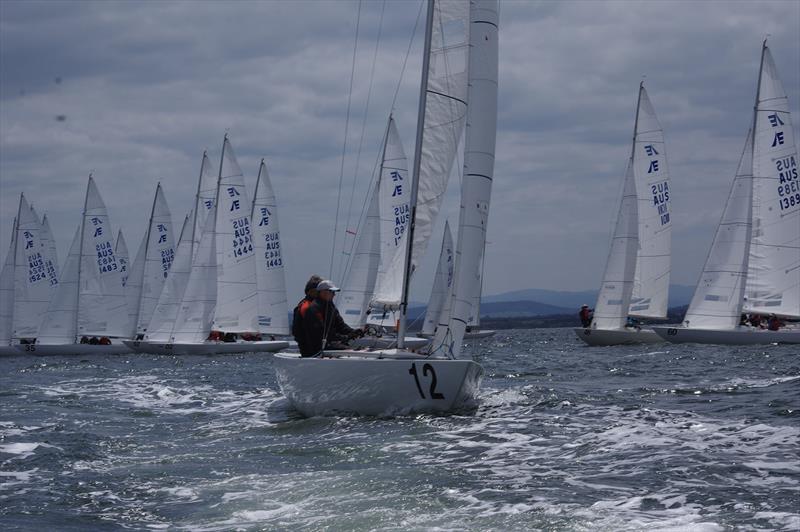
column 102, row 308
column 60, row 322
column 121, row 250
column 204, row 200
column 651, row 284
column 717, row 300
column 158, row 257
column 32, row 278
column 773, row 277
column 237, row 302
column 273, row 309
column 162, row 323
column 7, row 289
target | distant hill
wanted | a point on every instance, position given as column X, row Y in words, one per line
column 679, row 295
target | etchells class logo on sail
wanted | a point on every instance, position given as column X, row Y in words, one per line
column 106, row 260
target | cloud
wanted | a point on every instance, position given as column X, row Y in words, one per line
column 147, row 86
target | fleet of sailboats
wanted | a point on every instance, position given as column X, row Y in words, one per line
column 220, row 286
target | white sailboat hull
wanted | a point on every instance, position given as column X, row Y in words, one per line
column 377, row 383
column 473, row 335
column 617, row 336
column 388, row 342
column 73, row 349
column 205, row 348
column 738, row 336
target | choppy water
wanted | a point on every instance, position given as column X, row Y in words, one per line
column 567, row 437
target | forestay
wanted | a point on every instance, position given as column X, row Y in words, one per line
column 273, row 309
column 237, row 304
column 651, row 283
column 476, row 184
column 611, row 310
column 102, row 309
column 773, row 278
column 717, row 301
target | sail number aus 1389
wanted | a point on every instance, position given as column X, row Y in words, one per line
column 426, row 368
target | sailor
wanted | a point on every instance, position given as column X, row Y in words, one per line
column 323, row 326
column 300, row 310
column 585, row 315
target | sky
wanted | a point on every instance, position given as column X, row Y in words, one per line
column 135, row 91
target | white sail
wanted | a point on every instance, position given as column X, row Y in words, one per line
column 445, row 115
column 7, row 289
column 393, row 200
column 60, row 322
column 133, row 284
column 102, row 309
column 273, row 309
column 51, row 254
column 357, row 290
column 159, row 254
column 611, row 310
column 476, row 186
column 162, row 323
column 31, row 276
column 204, row 199
column 651, row 285
column 717, row 300
column 237, row 302
column 121, row 250
column 196, row 311
column 442, row 282
column 773, row 278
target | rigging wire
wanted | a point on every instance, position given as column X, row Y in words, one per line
column 344, row 143
column 361, row 139
column 378, row 158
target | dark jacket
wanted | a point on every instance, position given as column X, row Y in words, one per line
column 298, row 331
column 320, row 319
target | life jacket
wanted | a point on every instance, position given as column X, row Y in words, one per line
column 297, row 319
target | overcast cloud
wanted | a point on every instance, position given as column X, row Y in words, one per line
column 146, row 86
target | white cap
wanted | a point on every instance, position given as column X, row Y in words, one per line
column 327, row 285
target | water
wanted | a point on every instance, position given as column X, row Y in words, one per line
column 567, row 437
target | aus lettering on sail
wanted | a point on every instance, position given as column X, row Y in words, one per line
column 659, row 190
column 400, row 206
column 272, row 243
column 106, row 260
column 786, row 167
column 242, row 241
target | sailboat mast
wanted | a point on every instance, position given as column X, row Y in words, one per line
column 636, row 119
column 80, row 258
column 255, row 192
column 423, row 93
column 197, row 198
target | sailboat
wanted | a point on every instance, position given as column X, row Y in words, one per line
column 375, row 277
column 151, row 266
column 7, row 296
column 636, row 279
column 273, row 308
column 220, row 293
column 89, row 300
column 397, row 381
column 753, row 265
